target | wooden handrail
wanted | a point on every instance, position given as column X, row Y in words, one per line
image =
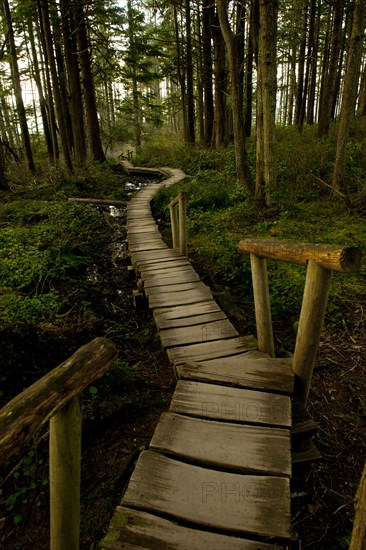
column 27, row 412
column 56, row 397
column 321, row 260
column 333, row 257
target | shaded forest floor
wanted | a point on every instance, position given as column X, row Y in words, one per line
column 123, row 408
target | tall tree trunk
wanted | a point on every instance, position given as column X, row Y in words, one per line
column 75, row 101
column 309, row 63
column 17, row 88
column 92, row 121
column 132, row 63
column 248, row 79
column 181, row 73
column 350, row 85
column 266, row 98
column 42, row 100
column 190, row 90
column 46, row 27
column 207, row 71
column 329, row 87
column 242, row 169
column 301, row 65
column 220, row 109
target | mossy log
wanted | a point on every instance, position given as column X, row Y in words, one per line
column 31, row 409
column 333, row 257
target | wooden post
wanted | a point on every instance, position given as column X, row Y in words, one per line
column 183, row 224
column 174, row 225
column 262, row 305
column 313, row 309
column 65, row 465
column 358, row 540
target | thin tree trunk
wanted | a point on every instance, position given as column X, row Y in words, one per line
column 207, row 71
column 301, row 66
column 266, row 94
column 132, row 63
column 242, row 169
column 76, row 102
column 92, row 121
column 361, row 107
column 350, row 91
column 17, row 88
column 248, row 84
column 190, row 92
column 220, row 110
column 44, row 16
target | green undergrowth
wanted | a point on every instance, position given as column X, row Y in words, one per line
column 220, row 214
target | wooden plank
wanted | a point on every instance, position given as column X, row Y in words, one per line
column 205, row 332
column 247, row 370
column 148, row 245
column 132, row 529
column 163, row 323
column 224, row 501
column 182, row 276
column 234, row 447
column 164, row 264
column 173, row 288
column 180, row 312
column 168, row 299
column 141, row 257
column 212, row 350
column 231, row 404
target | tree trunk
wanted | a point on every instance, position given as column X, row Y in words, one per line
column 72, row 67
column 349, row 91
column 220, row 110
column 330, row 78
column 358, row 541
column 132, row 63
column 301, row 66
column 361, row 107
column 17, row 88
column 207, row 71
column 248, row 84
column 242, row 169
column 92, row 121
column 191, row 138
column 45, row 21
column 266, row 102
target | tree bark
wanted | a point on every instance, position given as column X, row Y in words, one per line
column 242, row 169
column 17, row 88
column 92, row 121
column 358, row 541
column 191, row 137
column 45, row 18
column 349, row 98
column 76, row 102
column 266, row 102
column 207, row 71
column 220, row 110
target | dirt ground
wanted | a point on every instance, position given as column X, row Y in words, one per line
column 120, row 418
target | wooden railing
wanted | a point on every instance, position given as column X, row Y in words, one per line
column 56, row 398
column 178, row 220
column 321, row 260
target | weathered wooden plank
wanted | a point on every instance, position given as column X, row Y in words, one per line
column 206, row 332
column 180, row 312
column 156, row 255
column 163, row 323
column 173, row 288
column 225, row 501
column 249, row 370
column 168, row 299
column 212, row 350
column 133, row 530
column 164, row 264
column 235, row 447
column 231, row 404
column 166, row 279
column 155, row 245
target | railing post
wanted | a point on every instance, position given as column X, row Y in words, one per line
column 312, row 314
column 262, row 305
column 174, row 224
column 183, row 224
column 65, row 465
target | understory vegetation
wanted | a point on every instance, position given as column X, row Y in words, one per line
column 61, row 284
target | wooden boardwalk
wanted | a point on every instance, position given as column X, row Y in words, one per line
column 217, row 472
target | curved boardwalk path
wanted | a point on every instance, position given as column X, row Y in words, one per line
column 217, row 472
